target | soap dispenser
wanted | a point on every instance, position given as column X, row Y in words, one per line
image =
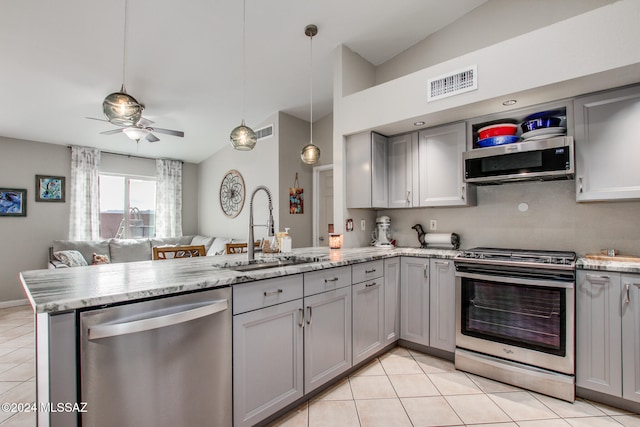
column 286, row 241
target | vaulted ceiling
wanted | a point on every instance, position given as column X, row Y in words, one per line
column 183, row 60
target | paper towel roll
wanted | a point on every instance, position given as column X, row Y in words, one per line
column 442, row 240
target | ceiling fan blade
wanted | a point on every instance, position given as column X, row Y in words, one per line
column 152, row 138
column 111, row 132
column 100, row 120
column 144, row 122
column 169, row 131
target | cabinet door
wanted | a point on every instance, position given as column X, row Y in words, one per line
column 267, row 361
column 631, row 337
column 327, row 337
column 414, row 300
column 442, row 305
column 366, row 157
column 607, row 126
column 440, row 167
column 391, row 300
column 368, row 318
column 598, row 332
column 403, row 171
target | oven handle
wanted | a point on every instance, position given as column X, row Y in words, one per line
column 517, row 280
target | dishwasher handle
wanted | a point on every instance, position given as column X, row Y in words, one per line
column 116, row 329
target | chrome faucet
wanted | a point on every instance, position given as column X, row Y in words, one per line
column 269, row 224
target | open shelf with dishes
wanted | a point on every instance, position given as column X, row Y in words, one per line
column 537, row 122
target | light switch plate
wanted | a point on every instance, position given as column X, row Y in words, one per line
column 363, row 225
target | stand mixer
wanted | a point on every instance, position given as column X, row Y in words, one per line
column 382, row 234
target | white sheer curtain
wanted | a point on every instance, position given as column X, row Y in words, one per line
column 169, row 198
column 84, row 196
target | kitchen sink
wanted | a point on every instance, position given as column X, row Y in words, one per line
column 263, row 265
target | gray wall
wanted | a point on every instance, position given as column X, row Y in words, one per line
column 25, row 240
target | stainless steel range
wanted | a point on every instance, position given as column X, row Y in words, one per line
column 515, row 318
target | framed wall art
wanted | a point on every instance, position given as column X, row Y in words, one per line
column 50, row 188
column 13, row 202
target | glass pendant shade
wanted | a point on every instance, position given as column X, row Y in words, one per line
column 122, row 108
column 243, row 138
column 310, row 154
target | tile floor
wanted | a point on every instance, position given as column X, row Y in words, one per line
column 407, row 388
column 400, row 388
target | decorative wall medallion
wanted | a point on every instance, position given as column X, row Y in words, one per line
column 232, row 193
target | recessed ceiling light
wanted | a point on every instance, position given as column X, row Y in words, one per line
column 419, row 124
column 509, row 102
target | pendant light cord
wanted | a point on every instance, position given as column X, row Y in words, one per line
column 311, row 90
column 244, row 56
column 124, row 44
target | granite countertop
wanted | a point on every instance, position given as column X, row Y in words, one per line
column 583, row 263
column 64, row 289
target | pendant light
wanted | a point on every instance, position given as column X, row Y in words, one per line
column 243, row 138
column 120, row 107
column 310, row 153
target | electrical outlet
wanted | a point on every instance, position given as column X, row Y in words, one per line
column 433, row 225
column 363, row 225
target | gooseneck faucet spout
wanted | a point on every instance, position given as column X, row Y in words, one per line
column 269, row 224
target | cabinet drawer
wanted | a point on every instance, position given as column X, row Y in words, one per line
column 265, row 293
column 367, row 270
column 319, row 281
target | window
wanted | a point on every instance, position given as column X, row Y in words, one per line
column 127, row 206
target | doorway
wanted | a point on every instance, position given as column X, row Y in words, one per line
column 323, row 200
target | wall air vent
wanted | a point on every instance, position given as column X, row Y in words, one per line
column 453, row 83
column 265, row 132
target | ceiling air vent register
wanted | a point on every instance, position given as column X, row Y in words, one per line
column 454, row 83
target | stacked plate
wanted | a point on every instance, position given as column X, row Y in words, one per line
column 543, row 125
column 497, row 134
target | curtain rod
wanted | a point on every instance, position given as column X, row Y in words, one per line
column 129, row 155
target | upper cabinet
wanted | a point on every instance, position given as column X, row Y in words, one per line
column 607, row 128
column 366, row 155
column 441, row 180
column 403, row 171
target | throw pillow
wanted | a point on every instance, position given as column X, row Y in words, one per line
column 71, row 258
column 219, row 246
column 99, row 259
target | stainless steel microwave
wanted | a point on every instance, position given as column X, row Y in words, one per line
column 522, row 161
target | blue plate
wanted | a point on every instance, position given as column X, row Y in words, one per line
column 544, row 114
column 497, row 140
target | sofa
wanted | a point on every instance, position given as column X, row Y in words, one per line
column 75, row 253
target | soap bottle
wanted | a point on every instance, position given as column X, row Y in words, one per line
column 286, row 241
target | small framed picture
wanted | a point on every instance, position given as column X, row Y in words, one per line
column 49, row 188
column 13, row 202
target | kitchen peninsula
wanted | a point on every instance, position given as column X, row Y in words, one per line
column 60, row 299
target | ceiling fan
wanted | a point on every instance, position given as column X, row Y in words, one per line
column 123, row 110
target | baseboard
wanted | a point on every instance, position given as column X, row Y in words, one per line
column 14, row 303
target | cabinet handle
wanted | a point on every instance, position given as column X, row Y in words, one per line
column 272, row 293
column 335, row 279
column 579, row 184
column 301, row 323
column 368, row 285
column 462, row 194
column 426, row 272
column 370, row 271
column 627, row 298
column 408, row 197
column 310, row 314
column 445, row 263
column 595, row 278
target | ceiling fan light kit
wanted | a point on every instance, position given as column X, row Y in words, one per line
column 310, row 153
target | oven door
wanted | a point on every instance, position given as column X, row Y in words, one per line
column 522, row 319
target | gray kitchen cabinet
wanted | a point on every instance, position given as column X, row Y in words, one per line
column 391, row 300
column 441, row 180
column 327, row 336
column 403, row 171
column 607, row 333
column 267, row 352
column 368, row 310
column 606, row 134
column 442, row 298
column 366, row 156
column 414, row 300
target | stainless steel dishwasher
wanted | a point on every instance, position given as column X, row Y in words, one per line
column 162, row 362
